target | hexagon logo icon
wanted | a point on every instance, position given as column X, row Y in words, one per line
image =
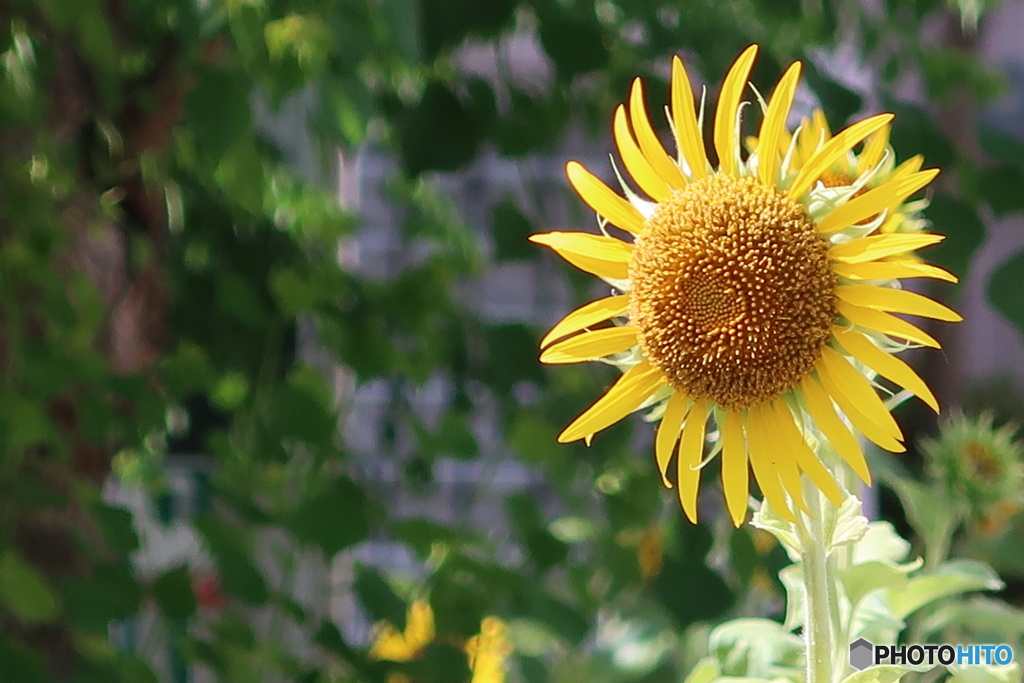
column 862, row 654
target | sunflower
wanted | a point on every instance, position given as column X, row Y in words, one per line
column 750, row 295
column 851, row 175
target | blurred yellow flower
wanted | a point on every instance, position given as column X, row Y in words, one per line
column 750, row 292
column 486, row 651
column 392, row 646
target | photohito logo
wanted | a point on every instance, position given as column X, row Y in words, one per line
column 864, row 653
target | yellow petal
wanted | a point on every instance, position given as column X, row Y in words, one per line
column 585, row 316
column 684, row 118
column 879, row 246
column 735, row 483
column 762, row 459
column 886, row 365
column 625, row 396
column 691, row 452
column 911, row 165
column 390, row 645
column 419, row 624
column 726, row 143
column 603, row 199
column 873, row 150
column 805, row 458
column 832, row 150
column 819, row 405
column 634, row 159
column 821, row 124
column 774, row 124
column 668, row 433
column 649, row 143
column 590, row 346
column 761, row 422
column 896, row 301
column 886, row 324
column 891, row 270
column 873, row 202
column 868, row 427
column 605, row 257
column 858, row 390
column 809, row 141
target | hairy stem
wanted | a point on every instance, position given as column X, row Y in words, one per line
column 818, row 636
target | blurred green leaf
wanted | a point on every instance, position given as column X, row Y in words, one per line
column 1000, row 146
column 24, row 592
column 378, row 598
column 952, row 578
column 110, row 592
column 754, row 647
column 1000, row 188
column 173, row 593
column 236, row 569
column 217, row 111
column 511, row 230
column 439, row 133
column 575, row 44
column 1004, row 289
column 541, row 546
column 332, row 519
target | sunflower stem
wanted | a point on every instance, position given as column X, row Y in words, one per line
column 818, row 636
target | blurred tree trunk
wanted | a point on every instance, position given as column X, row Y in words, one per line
column 105, row 246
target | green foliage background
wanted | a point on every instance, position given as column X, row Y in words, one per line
column 159, row 256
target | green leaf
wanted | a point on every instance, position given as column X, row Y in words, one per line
column 24, row 592
column 1001, row 188
column 238, row 573
column 1004, row 289
column 293, row 292
column 1000, row 146
column 110, row 592
column 933, row 523
column 402, row 18
column 881, row 543
column 116, row 525
column 422, row 534
column 753, row 647
column 861, row 579
column 511, row 229
column 952, row 578
column 378, row 598
column 987, row 620
column 332, row 519
column 792, row 578
column 217, row 111
column 575, row 44
column 173, row 593
column 541, row 546
column 439, row 133
column 704, row 672
column 873, row 619
column 782, row 529
column 844, row 526
column 882, row 674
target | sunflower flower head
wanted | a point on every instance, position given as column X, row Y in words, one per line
column 755, row 298
column 857, row 172
column 980, row 465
